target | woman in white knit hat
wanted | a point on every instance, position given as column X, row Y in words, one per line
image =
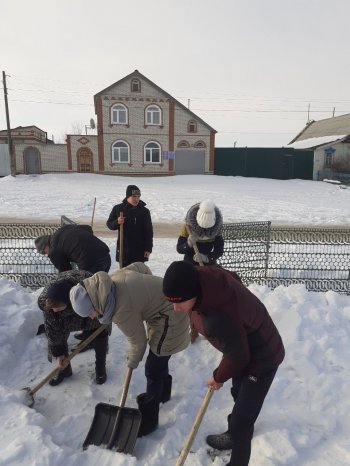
column 203, row 227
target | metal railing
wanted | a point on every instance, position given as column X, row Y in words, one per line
column 318, row 257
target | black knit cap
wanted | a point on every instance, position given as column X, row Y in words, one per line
column 132, row 190
column 41, row 242
column 180, row 282
column 59, row 291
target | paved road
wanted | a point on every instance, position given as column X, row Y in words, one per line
column 161, row 230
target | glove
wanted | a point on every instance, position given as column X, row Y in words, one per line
column 192, row 239
column 201, row 258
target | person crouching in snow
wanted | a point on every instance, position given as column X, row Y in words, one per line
column 203, row 227
column 129, row 297
column 60, row 320
column 237, row 323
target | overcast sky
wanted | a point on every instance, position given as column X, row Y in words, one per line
column 249, row 68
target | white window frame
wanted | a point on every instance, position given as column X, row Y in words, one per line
column 116, row 113
column 148, row 153
column 116, row 156
column 151, row 111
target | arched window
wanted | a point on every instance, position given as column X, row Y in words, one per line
column 199, row 145
column 120, row 152
column 183, row 145
column 192, row 126
column 135, row 85
column 153, row 115
column 152, row 152
column 119, row 114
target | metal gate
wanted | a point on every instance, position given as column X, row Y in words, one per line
column 31, row 161
column 189, row 162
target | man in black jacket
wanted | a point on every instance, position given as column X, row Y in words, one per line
column 75, row 244
column 138, row 229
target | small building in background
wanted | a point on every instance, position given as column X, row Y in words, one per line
column 329, row 139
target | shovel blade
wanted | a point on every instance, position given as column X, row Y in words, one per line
column 102, row 427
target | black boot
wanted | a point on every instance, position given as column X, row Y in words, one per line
column 166, row 395
column 150, row 414
column 101, row 348
column 83, row 335
column 67, row 372
column 220, row 442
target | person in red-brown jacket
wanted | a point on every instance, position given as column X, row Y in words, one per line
column 237, row 323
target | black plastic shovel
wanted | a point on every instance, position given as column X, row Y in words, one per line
column 115, row 427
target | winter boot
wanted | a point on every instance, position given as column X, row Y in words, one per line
column 101, row 348
column 67, row 372
column 82, row 335
column 166, row 395
column 220, row 442
column 150, row 414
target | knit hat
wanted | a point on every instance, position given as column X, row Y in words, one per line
column 206, row 214
column 132, row 190
column 41, row 242
column 81, row 303
column 180, row 282
column 59, row 291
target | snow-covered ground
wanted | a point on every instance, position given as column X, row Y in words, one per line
column 305, row 417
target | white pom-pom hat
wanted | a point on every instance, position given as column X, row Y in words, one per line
column 206, row 214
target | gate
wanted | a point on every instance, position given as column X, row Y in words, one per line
column 31, row 161
column 190, row 162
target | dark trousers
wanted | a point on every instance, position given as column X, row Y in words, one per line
column 103, row 265
column 249, row 394
column 156, row 371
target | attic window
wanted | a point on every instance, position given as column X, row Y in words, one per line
column 135, row 85
column 191, row 126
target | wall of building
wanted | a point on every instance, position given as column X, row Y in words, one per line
column 53, row 157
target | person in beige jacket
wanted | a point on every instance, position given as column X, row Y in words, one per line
column 131, row 297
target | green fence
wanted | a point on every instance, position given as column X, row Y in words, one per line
column 276, row 163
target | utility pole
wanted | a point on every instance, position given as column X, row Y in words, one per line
column 9, row 139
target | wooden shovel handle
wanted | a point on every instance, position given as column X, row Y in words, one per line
column 125, row 387
column 121, row 242
column 69, row 358
column 186, row 448
column 195, row 247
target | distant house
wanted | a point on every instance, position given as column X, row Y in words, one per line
column 141, row 130
column 34, row 152
column 330, row 141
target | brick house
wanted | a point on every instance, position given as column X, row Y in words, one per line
column 141, row 130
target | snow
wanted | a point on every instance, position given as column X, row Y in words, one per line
column 304, row 420
column 315, row 142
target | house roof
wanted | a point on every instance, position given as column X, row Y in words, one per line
column 137, row 74
column 316, row 142
column 333, row 127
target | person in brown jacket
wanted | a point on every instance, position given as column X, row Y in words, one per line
column 235, row 322
column 131, row 297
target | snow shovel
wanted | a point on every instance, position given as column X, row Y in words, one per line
column 186, row 448
column 32, row 391
column 115, row 427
